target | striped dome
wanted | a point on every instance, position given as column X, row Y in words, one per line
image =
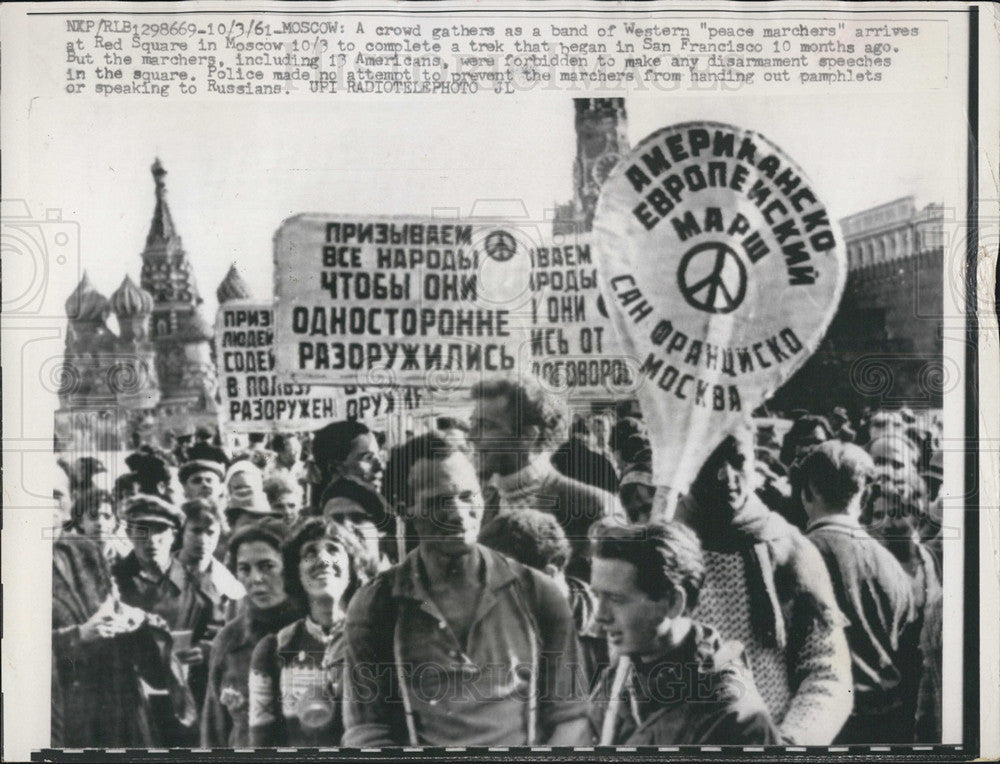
column 129, row 300
column 233, row 287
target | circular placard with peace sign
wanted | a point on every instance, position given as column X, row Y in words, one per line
column 721, row 268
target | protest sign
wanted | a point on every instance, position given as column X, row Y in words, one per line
column 721, row 271
column 254, row 399
column 441, row 304
column 573, row 347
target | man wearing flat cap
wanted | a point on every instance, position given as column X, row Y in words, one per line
column 202, row 478
column 149, row 577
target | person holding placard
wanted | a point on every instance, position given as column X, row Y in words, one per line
column 766, row 585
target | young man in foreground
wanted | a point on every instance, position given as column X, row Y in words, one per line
column 673, row 680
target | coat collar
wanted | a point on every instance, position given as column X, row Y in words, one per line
column 177, row 574
column 498, row 572
column 215, row 582
column 842, row 522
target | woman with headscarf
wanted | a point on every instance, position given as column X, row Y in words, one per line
column 296, row 675
column 255, row 557
column 246, row 501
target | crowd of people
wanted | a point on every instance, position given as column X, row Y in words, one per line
column 496, row 582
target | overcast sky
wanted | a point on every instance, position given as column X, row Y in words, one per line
column 234, row 175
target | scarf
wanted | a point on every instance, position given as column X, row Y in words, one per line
column 776, row 572
column 81, row 580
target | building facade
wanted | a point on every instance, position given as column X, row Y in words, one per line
column 884, row 346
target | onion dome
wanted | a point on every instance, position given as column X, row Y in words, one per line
column 129, row 301
column 233, row 287
column 86, row 303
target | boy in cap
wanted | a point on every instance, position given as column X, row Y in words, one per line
column 149, row 577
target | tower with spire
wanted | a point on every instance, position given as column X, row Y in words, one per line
column 601, row 140
column 158, row 372
column 180, row 335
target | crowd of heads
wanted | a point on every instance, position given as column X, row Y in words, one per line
column 882, row 465
column 311, row 518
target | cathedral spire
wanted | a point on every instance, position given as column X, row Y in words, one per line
column 601, row 140
column 162, row 226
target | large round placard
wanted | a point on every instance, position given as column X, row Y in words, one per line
column 721, row 268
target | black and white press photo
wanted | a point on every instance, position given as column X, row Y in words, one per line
column 404, row 381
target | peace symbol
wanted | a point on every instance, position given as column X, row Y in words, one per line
column 712, row 278
column 501, row 246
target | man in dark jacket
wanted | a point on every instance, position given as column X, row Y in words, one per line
column 578, row 461
column 515, row 426
column 872, row 590
column 673, row 680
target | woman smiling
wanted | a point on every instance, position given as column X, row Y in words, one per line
column 296, row 675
